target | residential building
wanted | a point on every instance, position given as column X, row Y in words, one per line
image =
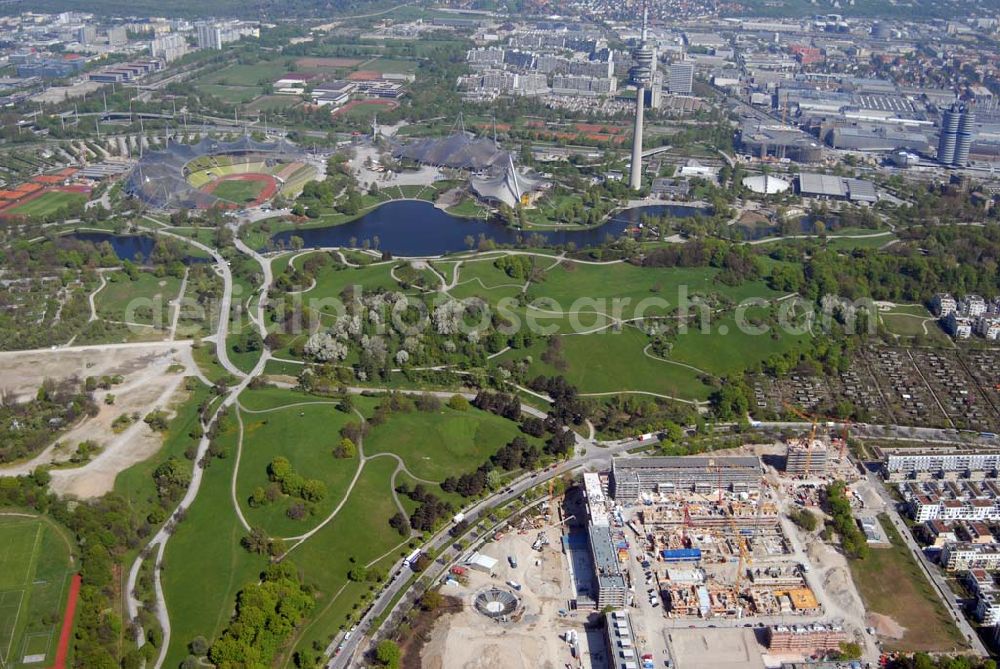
column 209, row 36
column 963, row 556
column 806, row 639
column 805, row 458
column 972, row 306
column 610, row 588
column 117, row 36
column 983, row 585
column 915, row 463
column 168, row 47
column 988, row 327
column 633, row 477
column 959, row 327
column 86, row 34
column 944, row 304
column 621, row 640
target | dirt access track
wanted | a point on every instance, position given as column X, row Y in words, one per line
column 153, row 377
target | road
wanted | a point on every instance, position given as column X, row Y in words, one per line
column 589, row 455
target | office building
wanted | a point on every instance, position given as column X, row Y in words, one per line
column 955, row 141
column 681, row 79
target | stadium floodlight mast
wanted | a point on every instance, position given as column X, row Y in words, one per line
column 642, row 76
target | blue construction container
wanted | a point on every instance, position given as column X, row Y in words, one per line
column 682, row 555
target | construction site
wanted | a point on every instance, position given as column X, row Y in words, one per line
column 717, row 554
column 692, row 543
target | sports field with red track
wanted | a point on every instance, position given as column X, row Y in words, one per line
column 248, row 190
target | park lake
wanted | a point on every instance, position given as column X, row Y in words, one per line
column 417, row 228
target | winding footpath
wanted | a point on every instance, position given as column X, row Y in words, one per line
column 156, row 546
column 588, row 454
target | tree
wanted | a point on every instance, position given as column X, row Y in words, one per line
column 458, row 403
column 850, row 650
column 387, row 654
column 313, row 490
column 198, row 646
column 804, row 518
column 357, row 574
column 345, row 449
column 258, row 497
column 400, row 523
column 431, row 600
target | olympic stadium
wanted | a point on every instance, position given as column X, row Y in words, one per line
column 212, row 173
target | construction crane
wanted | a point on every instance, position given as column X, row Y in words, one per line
column 745, row 557
column 812, row 433
column 845, row 435
column 712, row 467
column 684, row 528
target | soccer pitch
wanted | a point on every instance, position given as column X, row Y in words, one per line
column 34, row 575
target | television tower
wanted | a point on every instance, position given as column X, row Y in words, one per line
column 642, row 76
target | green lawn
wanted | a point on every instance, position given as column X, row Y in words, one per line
column 723, row 349
column 893, row 584
column 613, row 362
column 145, row 300
column 200, row 593
column 391, row 65
column 231, row 94
column 306, row 435
column 633, row 286
column 333, row 279
column 914, row 320
column 439, row 444
column 238, row 191
column 208, row 363
column 250, row 75
column 326, row 558
column 48, row 203
column 34, row 584
column 482, row 279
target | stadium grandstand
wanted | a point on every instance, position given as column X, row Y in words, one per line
column 161, row 178
column 460, row 151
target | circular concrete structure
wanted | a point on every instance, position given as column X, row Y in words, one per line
column 496, row 603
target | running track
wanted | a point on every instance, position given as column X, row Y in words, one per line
column 67, row 626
